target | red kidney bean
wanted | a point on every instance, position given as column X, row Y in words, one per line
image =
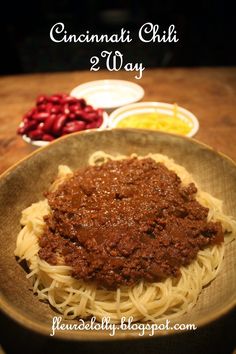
column 79, row 113
column 26, row 119
column 42, row 107
column 41, row 126
column 66, row 109
column 58, row 124
column 35, row 134
column 30, row 113
column 75, row 107
column 47, row 137
column 82, row 102
column 79, row 125
column 68, row 124
column 90, row 117
column 99, row 121
column 21, row 130
column 55, row 109
column 88, row 109
column 72, row 116
column 49, row 123
column 70, row 100
column 91, row 125
column 100, row 112
column 54, row 99
column 41, row 116
column 41, row 99
column 63, row 95
column 73, row 127
column 31, row 125
column 48, row 107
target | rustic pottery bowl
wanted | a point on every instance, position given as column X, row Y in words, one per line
column 25, row 182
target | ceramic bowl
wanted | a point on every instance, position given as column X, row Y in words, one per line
column 25, row 182
column 109, row 94
column 157, row 108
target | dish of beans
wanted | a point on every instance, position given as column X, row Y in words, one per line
column 57, row 115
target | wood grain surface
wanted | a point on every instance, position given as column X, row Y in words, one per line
column 210, row 93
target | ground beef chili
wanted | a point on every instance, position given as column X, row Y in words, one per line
column 124, row 221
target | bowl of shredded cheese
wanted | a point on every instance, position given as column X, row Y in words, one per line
column 160, row 116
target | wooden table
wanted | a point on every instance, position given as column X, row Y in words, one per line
column 210, row 93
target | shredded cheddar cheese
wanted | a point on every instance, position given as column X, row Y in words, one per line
column 157, row 121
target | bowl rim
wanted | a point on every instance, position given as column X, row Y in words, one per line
column 43, row 329
column 122, row 112
column 136, row 87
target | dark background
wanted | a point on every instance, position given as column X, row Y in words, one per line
column 205, row 30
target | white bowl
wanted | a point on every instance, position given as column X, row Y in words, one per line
column 40, row 143
column 154, row 107
column 109, row 94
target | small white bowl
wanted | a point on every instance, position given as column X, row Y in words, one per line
column 109, row 94
column 154, row 107
column 40, row 143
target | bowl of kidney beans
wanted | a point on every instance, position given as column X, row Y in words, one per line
column 57, row 115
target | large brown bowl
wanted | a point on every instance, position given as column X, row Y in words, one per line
column 25, row 183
